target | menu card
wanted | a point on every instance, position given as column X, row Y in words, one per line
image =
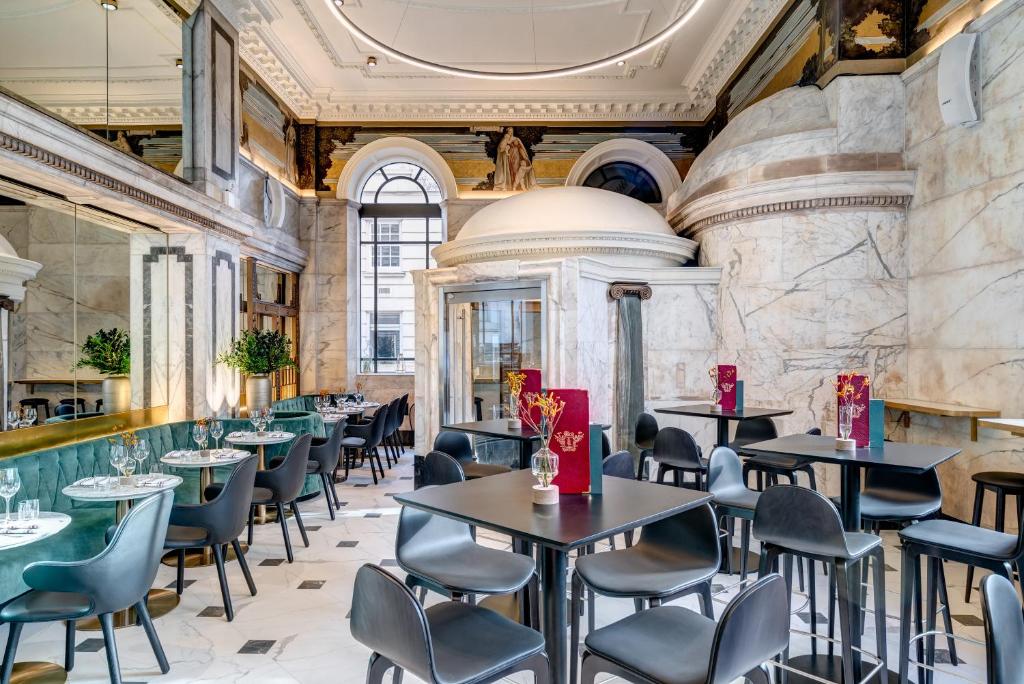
column 727, row 386
column 571, row 441
column 861, row 399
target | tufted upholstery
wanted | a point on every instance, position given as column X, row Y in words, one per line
column 300, row 403
column 46, row 472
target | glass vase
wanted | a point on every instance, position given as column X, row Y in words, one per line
column 545, row 465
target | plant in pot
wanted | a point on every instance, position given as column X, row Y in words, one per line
column 109, row 353
column 257, row 354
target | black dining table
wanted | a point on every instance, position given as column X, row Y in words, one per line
column 499, row 429
column 822, row 448
column 503, row 503
column 723, row 416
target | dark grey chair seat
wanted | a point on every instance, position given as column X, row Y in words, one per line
column 46, row 606
column 475, row 470
column 469, row 568
column 1001, row 479
column 896, row 505
column 781, row 462
column 961, row 537
column 669, row 644
column 859, row 543
column 643, row 571
column 737, row 498
column 260, row 495
column 184, row 537
column 353, row 442
column 462, row 655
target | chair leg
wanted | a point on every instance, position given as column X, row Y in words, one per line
column 12, row 646
column 284, row 532
column 154, row 640
column 252, row 520
column 878, row 561
column 107, row 625
column 930, row 613
column 574, row 625
column 225, row 593
column 378, row 667
column 979, row 503
column 375, row 454
column 707, row 607
column 302, row 526
column 847, row 591
column 744, row 547
column 327, row 495
column 907, row 581
column 179, row 582
column 244, row 564
column 540, row 668
column 947, row 617
column 69, row 646
column 812, row 598
column 334, row 495
column 372, row 471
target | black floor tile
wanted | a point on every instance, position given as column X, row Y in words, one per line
column 312, row 528
column 89, row 646
column 186, row 584
column 364, row 484
column 342, row 503
column 347, row 544
column 256, row 646
column 806, row 617
column 272, row 561
column 969, row 620
column 372, row 515
column 406, row 477
column 212, row 611
column 311, row 584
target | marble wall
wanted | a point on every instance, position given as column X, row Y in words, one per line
column 966, row 256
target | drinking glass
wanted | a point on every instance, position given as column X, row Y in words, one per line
column 10, row 483
column 28, row 510
column 118, row 458
column 269, row 414
column 216, row 430
column 845, row 420
column 128, row 468
column 199, row 435
column 156, row 468
column 30, row 416
column 140, row 453
column 255, row 419
column 318, row 403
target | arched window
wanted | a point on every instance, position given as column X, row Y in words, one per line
column 625, row 178
column 400, row 223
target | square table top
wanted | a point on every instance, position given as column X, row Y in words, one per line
column 704, row 411
column 503, row 503
column 493, row 428
column 919, row 457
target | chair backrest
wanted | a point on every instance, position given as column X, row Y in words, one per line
column 420, row 532
column 403, row 408
column 387, row 619
column 329, row 453
column 725, row 471
column 121, row 574
column 377, row 425
column 229, row 511
column 753, row 629
column 455, row 444
column 619, row 464
column 755, row 430
column 64, row 409
column 440, row 469
column 678, row 447
column 287, row 479
column 800, row 520
column 898, row 480
column 646, row 430
column 690, row 533
column 1004, row 630
column 394, row 416
column 606, row 445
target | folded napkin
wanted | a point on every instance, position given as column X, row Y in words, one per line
column 86, row 482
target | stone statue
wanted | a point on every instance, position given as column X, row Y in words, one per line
column 291, row 169
column 512, row 167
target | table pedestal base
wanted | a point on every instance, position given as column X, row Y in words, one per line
column 753, row 562
column 826, row 667
column 160, row 603
column 200, row 558
column 38, row 673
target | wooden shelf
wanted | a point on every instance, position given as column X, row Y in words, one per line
column 1015, row 426
column 939, row 408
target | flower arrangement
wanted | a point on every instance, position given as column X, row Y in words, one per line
column 716, row 390
column 127, row 439
column 516, row 381
column 108, row 352
column 203, row 422
column 550, row 407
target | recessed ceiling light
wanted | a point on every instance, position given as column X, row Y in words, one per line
column 179, row 63
column 371, row 61
column 620, row 63
column 109, row 5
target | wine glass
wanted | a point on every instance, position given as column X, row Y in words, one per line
column 199, row 435
column 118, row 457
column 12, row 420
column 216, row 430
column 255, row 418
column 269, row 414
column 10, row 483
column 140, row 453
column 30, row 416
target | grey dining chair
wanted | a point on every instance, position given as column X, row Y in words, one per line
column 216, row 523
column 732, row 498
column 117, row 578
column 643, row 436
column 672, row 645
column 324, row 457
column 1004, row 631
column 449, row 643
column 440, row 469
column 676, row 451
column 458, row 446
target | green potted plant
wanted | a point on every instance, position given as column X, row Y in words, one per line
column 109, row 353
column 257, row 354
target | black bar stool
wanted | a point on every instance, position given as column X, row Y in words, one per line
column 732, row 498
column 769, row 468
column 801, row 522
column 643, row 436
column 1003, row 484
column 37, row 403
column 676, row 451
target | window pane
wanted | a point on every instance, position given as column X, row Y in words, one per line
column 401, row 191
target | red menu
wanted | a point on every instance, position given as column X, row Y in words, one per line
column 531, row 385
column 727, row 386
column 860, row 397
column 571, row 441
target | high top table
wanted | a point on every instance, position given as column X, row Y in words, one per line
column 723, row 417
column 503, row 503
column 822, row 448
column 499, row 429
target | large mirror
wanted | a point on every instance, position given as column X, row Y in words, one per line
column 86, row 337
column 113, row 67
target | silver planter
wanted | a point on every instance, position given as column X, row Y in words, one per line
column 117, row 394
column 257, row 392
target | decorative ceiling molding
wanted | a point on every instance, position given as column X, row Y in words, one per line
column 508, row 111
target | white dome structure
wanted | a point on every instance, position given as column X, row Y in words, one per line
column 568, row 222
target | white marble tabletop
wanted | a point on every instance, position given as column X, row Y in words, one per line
column 256, row 438
column 25, row 532
column 205, row 458
column 141, row 487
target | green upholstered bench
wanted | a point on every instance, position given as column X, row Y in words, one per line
column 44, row 473
column 300, row 403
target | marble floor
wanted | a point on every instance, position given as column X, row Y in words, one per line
column 295, row 629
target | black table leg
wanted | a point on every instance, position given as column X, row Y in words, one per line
column 553, row 611
column 723, row 432
column 850, row 497
column 525, row 454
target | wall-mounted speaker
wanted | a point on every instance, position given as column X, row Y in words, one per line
column 959, row 81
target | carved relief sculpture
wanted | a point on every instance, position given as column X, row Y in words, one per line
column 291, row 168
column 513, row 169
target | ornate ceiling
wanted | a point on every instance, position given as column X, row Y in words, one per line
column 320, row 71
